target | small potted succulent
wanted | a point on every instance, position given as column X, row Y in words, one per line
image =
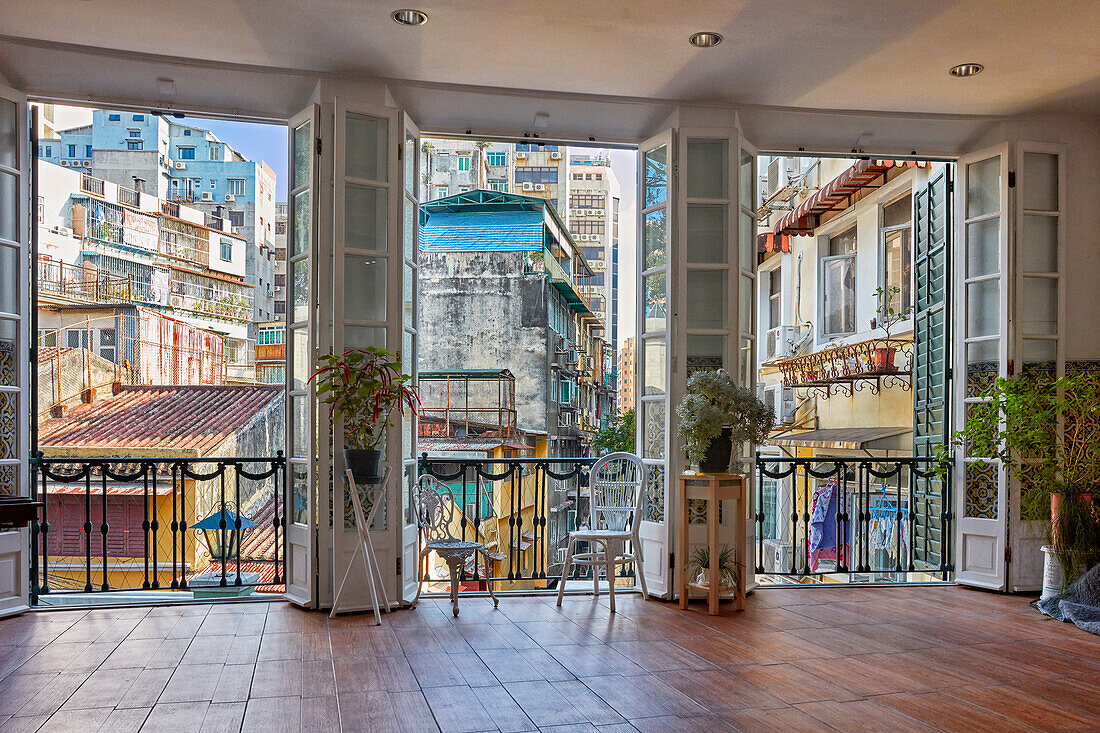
column 363, row 388
column 717, row 417
column 889, row 316
column 698, row 566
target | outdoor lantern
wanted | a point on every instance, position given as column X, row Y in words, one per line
column 212, row 529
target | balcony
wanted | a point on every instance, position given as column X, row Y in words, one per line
column 852, row 368
column 58, row 280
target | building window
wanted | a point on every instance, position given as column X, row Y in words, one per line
column 187, row 133
column 838, row 285
column 775, row 299
column 226, row 250
column 497, row 159
column 537, row 174
column 587, row 226
column 897, row 254
column 501, row 186
column 236, row 218
column 270, row 335
column 88, row 151
column 72, row 151
column 463, row 189
column 587, row 201
column 108, row 342
column 280, row 280
column 215, row 152
column 234, row 186
column 213, row 183
column 139, row 118
column 442, row 191
column 47, row 338
column 114, row 118
column 134, row 133
column 187, row 153
column 134, row 145
column 49, row 151
column 464, row 162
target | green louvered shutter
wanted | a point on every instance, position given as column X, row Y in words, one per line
column 931, row 325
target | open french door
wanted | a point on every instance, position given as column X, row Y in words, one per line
column 306, row 438
column 983, row 332
column 15, row 393
column 656, row 186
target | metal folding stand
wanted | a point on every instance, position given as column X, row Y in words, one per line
column 365, row 548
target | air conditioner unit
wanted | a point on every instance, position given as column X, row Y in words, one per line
column 528, row 186
column 520, row 155
column 65, row 163
column 561, row 555
column 782, row 402
column 177, row 301
column 565, row 419
column 555, row 156
column 562, row 345
column 776, row 557
column 63, row 231
column 87, row 164
column 181, row 166
column 207, row 196
column 540, row 186
column 781, row 341
column 230, row 198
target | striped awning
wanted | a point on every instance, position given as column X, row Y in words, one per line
column 840, row 193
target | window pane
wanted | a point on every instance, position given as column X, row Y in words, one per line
column 706, row 298
column 362, row 337
column 300, row 440
column 1039, row 306
column 365, row 149
column 11, row 278
column 9, row 207
column 653, row 423
column 746, row 245
column 983, row 247
column 654, row 356
column 655, row 311
column 9, row 141
column 705, row 352
column 745, row 304
column 410, row 163
column 983, row 187
column 706, row 169
column 747, row 182
column 706, row 233
column 898, row 213
column 302, row 155
column 301, row 291
column 656, row 238
column 300, row 481
column 1040, row 245
column 365, row 218
column 1041, row 181
column 898, row 268
column 365, row 287
column 408, row 285
column 983, row 308
column 748, row 373
column 410, row 229
column 302, row 365
column 301, row 206
column 843, row 243
column 1040, row 351
column 656, row 176
column 838, row 297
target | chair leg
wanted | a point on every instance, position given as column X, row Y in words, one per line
column 489, row 578
column 565, row 571
column 609, row 571
column 454, row 567
column 421, row 562
column 639, row 572
column 595, row 569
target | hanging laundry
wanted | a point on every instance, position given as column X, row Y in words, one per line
column 822, row 541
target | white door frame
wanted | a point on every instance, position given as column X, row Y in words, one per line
column 981, row 541
column 409, row 540
column 14, row 326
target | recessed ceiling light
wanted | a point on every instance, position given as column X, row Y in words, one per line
column 407, row 16
column 966, row 70
column 705, row 39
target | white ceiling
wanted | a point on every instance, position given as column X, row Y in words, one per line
column 819, row 54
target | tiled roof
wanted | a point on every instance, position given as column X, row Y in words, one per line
column 172, row 418
column 483, row 231
column 258, row 543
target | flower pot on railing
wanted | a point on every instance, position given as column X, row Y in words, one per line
column 884, row 359
column 364, row 464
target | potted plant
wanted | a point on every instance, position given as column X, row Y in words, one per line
column 889, row 316
column 1045, row 432
column 363, row 387
column 717, row 417
column 698, row 565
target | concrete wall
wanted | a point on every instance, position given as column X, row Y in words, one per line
column 478, row 312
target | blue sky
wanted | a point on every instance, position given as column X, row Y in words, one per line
column 253, row 141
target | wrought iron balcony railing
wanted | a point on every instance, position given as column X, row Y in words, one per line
column 85, row 284
column 853, row 520
column 867, row 365
column 147, row 524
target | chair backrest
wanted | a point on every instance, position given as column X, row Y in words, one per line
column 435, row 508
column 616, row 484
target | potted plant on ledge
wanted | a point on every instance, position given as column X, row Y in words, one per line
column 363, row 388
column 889, row 316
column 717, row 417
column 698, row 566
column 1047, row 434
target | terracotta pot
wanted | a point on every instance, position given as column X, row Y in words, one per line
column 884, row 359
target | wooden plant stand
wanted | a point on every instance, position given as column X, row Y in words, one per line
column 712, row 488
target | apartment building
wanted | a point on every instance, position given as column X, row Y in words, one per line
column 593, row 216
column 450, row 166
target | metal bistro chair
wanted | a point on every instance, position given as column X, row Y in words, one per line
column 435, row 514
column 616, row 491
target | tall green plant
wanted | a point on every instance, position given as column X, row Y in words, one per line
column 618, row 435
column 363, row 388
column 713, row 402
column 1046, row 432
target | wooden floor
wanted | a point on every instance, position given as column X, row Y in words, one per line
column 818, row 659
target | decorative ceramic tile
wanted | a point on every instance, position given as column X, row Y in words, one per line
column 980, row 376
column 655, row 494
column 654, row 413
column 7, row 479
column 7, row 363
column 697, row 511
column 981, row 491
column 8, row 424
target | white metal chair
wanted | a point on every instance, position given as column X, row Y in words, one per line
column 435, row 515
column 616, row 490
column 365, row 548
